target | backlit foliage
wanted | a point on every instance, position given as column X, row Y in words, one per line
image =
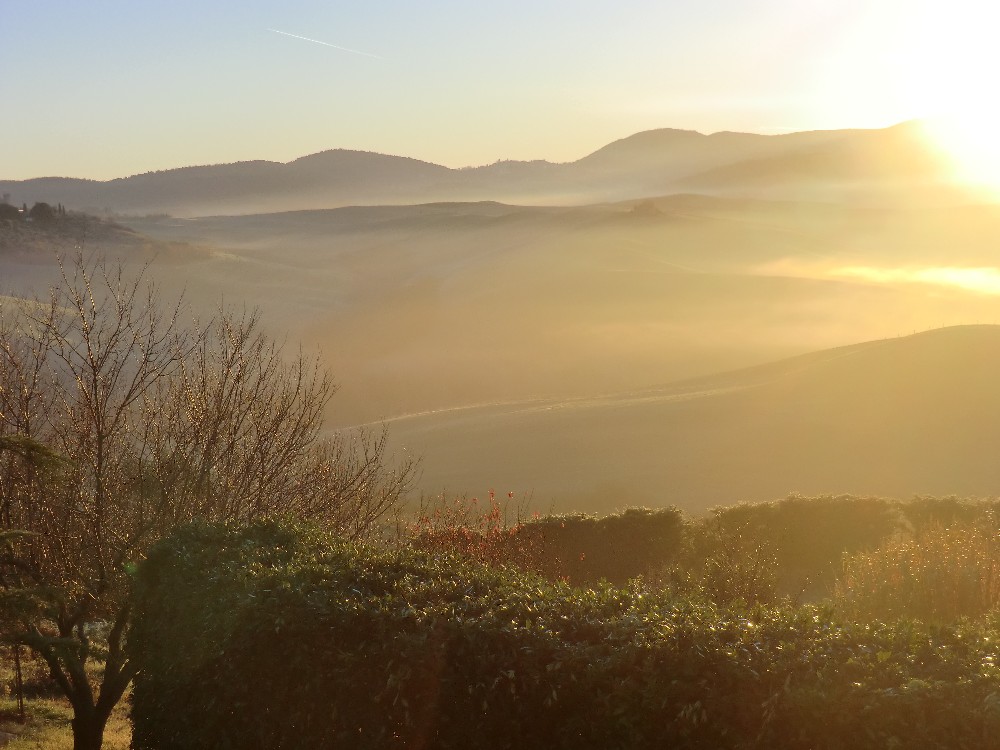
column 938, row 575
column 278, row 637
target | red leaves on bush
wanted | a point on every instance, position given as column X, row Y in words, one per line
column 490, row 534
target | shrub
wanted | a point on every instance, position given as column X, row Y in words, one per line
column 484, row 532
column 585, row 550
column 807, row 536
column 279, row 637
column 9, row 212
column 42, row 212
column 731, row 569
column 921, row 513
column 575, row 548
column 939, row 575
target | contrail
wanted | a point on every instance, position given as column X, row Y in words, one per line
column 327, row 44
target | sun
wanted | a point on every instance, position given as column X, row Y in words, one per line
column 953, row 79
column 928, row 60
column 969, row 139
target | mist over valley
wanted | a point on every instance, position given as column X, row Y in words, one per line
column 517, row 345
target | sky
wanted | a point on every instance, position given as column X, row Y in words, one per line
column 110, row 88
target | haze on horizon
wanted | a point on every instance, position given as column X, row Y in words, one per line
column 110, row 89
column 501, row 318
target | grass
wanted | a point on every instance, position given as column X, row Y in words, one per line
column 48, row 725
column 48, row 714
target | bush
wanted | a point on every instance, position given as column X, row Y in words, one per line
column 807, row 536
column 575, row 548
column 922, row 513
column 585, row 550
column 939, row 575
column 482, row 532
column 722, row 567
column 279, row 637
column 42, row 212
column 9, row 212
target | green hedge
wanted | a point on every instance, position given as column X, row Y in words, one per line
column 278, row 637
column 807, row 536
column 617, row 547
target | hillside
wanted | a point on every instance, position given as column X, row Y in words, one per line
column 441, row 306
column 445, row 305
column 918, row 414
column 37, row 244
column 645, row 164
column 894, row 161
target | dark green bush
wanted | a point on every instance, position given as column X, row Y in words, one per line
column 616, row 548
column 278, row 637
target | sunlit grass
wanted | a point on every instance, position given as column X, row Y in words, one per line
column 48, row 714
column 48, row 725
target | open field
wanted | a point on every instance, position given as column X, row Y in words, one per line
column 432, row 307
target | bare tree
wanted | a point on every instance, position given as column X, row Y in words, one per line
column 146, row 423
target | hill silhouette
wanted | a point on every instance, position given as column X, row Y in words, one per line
column 866, row 161
column 646, row 164
column 915, row 415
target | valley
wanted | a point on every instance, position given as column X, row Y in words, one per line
column 524, row 347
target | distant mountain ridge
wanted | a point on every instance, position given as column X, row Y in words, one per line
column 650, row 163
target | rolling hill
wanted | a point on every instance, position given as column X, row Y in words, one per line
column 893, row 161
column 918, row 414
column 437, row 306
column 486, row 333
column 646, row 164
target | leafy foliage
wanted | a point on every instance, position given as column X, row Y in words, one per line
column 585, row 550
column 480, row 531
column 939, row 575
column 807, row 536
column 750, row 553
column 575, row 548
column 277, row 636
column 42, row 212
column 724, row 567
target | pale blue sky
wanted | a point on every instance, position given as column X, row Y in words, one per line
column 109, row 88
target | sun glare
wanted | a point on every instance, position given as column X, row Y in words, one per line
column 970, row 140
column 981, row 280
column 950, row 77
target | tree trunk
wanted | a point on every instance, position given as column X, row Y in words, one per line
column 88, row 729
